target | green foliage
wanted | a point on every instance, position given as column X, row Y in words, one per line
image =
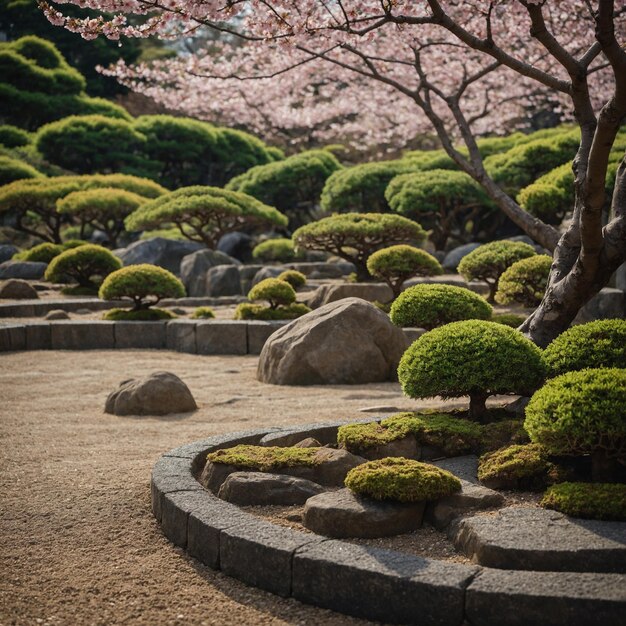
column 38, row 86
column 276, row 292
column 604, row 501
column 293, row 277
column 580, row 413
column 504, row 432
column 525, row 281
column 144, row 284
column 13, row 169
column 442, row 201
column 86, row 265
column 13, row 137
column 293, row 185
column 204, row 214
column 488, row 262
column 429, row 306
column 601, row 343
column 272, row 250
column 354, row 236
column 400, row 479
column 152, row 314
column 247, row 311
column 203, row 313
column 509, row 319
column 41, row 253
column 399, row 263
column 475, row 358
column 265, row 458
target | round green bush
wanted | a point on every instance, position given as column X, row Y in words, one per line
column 14, row 169
column 153, row 314
column 509, row 319
column 399, row 263
column 604, row 501
column 429, row 306
column 281, row 250
column 601, row 343
column 249, row 311
column 294, row 278
column 404, row 480
column 489, row 261
column 475, row 358
column 580, row 413
column 42, row 253
column 145, row 285
column 276, row 292
column 13, row 137
column 86, row 265
column 202, row 313
column 525, row 281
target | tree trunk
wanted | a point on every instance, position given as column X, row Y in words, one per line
column 478, row 406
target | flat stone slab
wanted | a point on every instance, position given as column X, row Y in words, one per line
column 538, row 539
column 463, row 467
column 344, row 514
column 258, row 488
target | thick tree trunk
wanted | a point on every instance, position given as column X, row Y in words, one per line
column 478, row 406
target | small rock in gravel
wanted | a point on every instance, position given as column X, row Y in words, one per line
column 84, row 311
column 178, row 311
column 259, row 489
column 57, row 314
column 309, row 442
column 16, row 289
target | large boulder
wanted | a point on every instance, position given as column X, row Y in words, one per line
column 166, row 253
column 7, row 250
column 607, row 304
column 346, row 342
column 26, row 270
column 372, row 292
column 223, row 280
column 16, row 289
column 238, row 245
column 261, row 489
column 453, row 258
column 194, row 267
column 160, row 393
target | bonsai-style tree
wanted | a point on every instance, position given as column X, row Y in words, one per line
column 204, row 214
column 41, row 253
column 525, row 281
column 13, row 137
column 429, row 306
column 444, row 201
column 104, row 208
column 145, row 286
column 14, row 169
column 601, row 343
column 281, row 299
column 88, row 265
column 293, row 185
column 293, row 277
column 489, row 261
column 581, row 413
column 277, row 292
column 355, row 236
column 472, row 358
column 399, row 263
column 274, row 250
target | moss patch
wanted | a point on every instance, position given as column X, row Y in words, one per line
column 249, row 311
column 603, row 501
column 503, row 433
column 404, row 480
column 360, row 437
column 143, row 315
column 265, row 459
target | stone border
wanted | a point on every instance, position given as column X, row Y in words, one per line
column 358, row 580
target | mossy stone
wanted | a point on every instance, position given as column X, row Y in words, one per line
column 603, row 501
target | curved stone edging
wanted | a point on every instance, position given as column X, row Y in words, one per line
column 358, row 580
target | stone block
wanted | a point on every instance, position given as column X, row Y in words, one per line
column 140, row 335
column 383, row 585
column 259, row 332
column 74, row 335
column 38, row 336
column 175, row 508
column 463, row 467
column 12, row 337
column 607, row 304
column 221, row 337
column 180, row 335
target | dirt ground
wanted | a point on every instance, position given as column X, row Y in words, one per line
column 79, row 545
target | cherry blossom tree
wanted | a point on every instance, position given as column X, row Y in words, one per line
column 383, row 70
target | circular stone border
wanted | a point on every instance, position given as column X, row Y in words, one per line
column 357, row 580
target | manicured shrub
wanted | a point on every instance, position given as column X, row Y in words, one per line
column 581, row 413
column 13, row 137
column 355, row 236
column 475, row 358
column 509, row 319
column 264, row 458
column 276, row 292
column 293, row 277
column 153, row 314
column 274, row 250
column 14, row 169
column 144, row 285
column 400, row 479
column 399, row 263
column 203, row 313
column 41, row 253
column 429, row 306
column 86, row 265
column 604, row 501
column 525, row 281
column 601, row 343
column 489, row 261
column 249, row 311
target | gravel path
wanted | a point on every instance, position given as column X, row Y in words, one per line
column 79, row 544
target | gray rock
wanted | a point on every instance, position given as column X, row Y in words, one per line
column 620, row 277
column 237, row 245
column 371, row 292
column 160, row 393
column 346, row 342
column 517, row 408
column 453, row 258
column 26, row 270
column 7, row 250
column 309, row 442
column 463, row 467
column 194, row 266
column 607, row 304
column 259, row 489
column 222, row 280
column 166, row 253
column 344, row 514
column 57, row 314
column 539, row 539
column 270, row 271
column 16, row 289
column 471, row 497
